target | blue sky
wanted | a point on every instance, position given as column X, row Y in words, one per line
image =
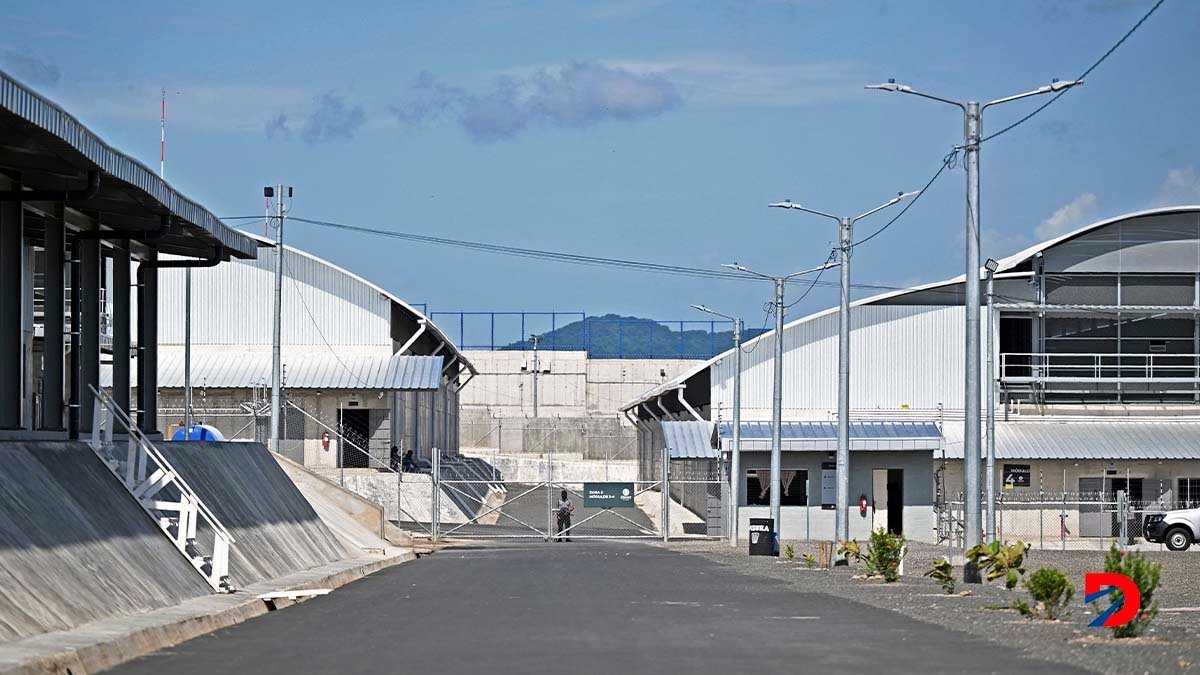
column 644, row 129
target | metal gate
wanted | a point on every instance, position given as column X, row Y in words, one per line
column 481, row 504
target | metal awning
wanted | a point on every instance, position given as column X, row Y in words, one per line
column 319, row 370
column 689, row 440
column 1115, row 439
column 53, row 151
column 822, row 436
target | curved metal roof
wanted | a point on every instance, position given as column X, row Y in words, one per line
column 51, row 147
column 416, row 314
column 1006, row 265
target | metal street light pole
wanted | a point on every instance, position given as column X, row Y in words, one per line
column 535, row 340
column 735, row 459
column 991, row 265
column 276, row 341
column 973, row 124
column 777, row 392
column 845, row 241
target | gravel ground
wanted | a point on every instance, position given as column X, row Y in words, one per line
column 1171, row 646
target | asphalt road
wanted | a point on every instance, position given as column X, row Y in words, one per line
column 584, row 607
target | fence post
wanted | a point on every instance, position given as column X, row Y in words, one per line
column 1062, row 522
column 549, row 499
column 1122, row 508
column 435, row 480
column 666, row 494
column 1041, row 520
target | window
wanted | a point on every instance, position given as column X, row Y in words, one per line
column 1189, row 493
column 795, row 492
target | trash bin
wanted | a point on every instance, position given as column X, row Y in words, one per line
column 762, row 537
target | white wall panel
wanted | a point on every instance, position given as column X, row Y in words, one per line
column 232, row 304
column 900, row 355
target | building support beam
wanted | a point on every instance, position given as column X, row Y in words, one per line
column 147, row 330
column 12, row 368
column 121, row 324
column 90, row 264
column 53, row 310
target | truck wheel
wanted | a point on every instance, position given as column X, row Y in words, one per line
column 1178, row 539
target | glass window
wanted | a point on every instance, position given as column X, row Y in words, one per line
column 795, row 493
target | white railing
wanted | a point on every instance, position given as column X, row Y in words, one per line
column 1044, row 367
column 161, row 491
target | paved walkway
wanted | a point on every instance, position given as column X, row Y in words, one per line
column 584, row 607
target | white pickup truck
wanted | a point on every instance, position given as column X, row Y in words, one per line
column 1177, row 529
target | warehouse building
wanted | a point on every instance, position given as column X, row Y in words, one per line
column 1095, row 334
column 362, row 369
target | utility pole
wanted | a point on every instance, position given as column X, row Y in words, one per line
column 973, row 136
column 777, row 393
column 735, row 459
column 990, row 482
column 845, row 248
column 276, row 360
column 536, row 369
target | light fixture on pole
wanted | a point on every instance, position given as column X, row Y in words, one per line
column 845, row 246
column 973, row 118
column 735, row 459
column 990, row 471
column 776, row 488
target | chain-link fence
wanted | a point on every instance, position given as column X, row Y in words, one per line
column 1062, row 521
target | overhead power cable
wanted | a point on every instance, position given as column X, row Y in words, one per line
column 1083, row 76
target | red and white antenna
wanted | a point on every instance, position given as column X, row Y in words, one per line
column 162, row 137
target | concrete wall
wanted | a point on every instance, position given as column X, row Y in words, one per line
column 575, row 385
column 530, row 469
column 413, row 493
column 599, row 438
column 276, row 529
column 75, row 547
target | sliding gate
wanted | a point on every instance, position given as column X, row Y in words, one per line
column 525, row 508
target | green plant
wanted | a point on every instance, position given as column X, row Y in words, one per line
column 1051, row 591
column 943, row 573
column 789, row 552
column 1145, row 576
column 850, row 549
column 1000, row 561
column 884, row 552
column 810, row 561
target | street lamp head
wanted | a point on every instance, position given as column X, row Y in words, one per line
column 992, row 265
column 735, row 266
column 786, row 204
column 890, row 85
column 1059, row 85
column 702, row 308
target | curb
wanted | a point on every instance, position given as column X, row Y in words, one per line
column 72, row 653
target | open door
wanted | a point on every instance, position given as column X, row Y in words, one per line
column 879, row 499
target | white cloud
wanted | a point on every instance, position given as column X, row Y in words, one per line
column 1181, row 186
column 720, row 79
column 1075, row 214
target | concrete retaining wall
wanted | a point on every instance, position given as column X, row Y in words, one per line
column 276, row 529
column 75, row 547
column 589, row 437
column 413, row 493
column 528, row 469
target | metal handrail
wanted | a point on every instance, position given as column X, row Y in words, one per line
column 158, row 457
column 1039, row 364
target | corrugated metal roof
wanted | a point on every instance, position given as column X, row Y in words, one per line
column 822, row 436
column 689, row 440
column 1116, row 439
column 63, row 130
column 231, row 369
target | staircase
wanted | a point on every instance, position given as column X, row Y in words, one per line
column 162, row 492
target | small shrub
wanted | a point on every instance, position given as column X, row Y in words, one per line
column 850, row 549
column 810, row 561
column 789, row 552
column 943, row 573
column 1051, row 591
column 1000, row 561
column 884, row 552
column 1145, row 575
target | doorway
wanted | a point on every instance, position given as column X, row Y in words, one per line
column 887, row 500
column 355, row 428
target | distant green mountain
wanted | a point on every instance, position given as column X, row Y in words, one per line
column 616, row 336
